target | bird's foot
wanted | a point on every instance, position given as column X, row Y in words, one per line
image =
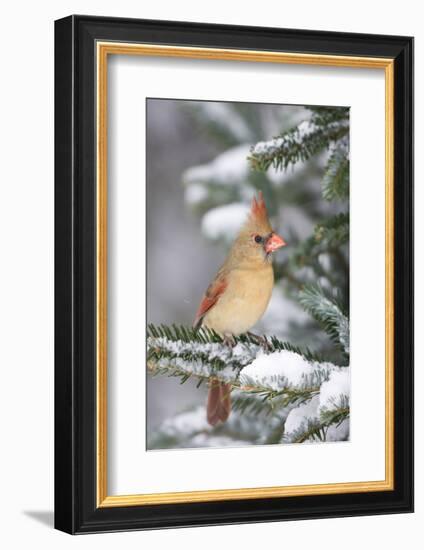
column 229, row 340
column 260, row 340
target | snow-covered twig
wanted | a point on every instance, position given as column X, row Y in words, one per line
column 301, row 142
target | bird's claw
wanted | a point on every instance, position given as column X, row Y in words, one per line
column 260, row 340
column 229, row 340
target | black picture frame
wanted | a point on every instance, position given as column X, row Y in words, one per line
column 76, row 510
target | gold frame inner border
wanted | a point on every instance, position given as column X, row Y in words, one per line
column 104, row 49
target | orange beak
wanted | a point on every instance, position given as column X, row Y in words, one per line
column 273, row 243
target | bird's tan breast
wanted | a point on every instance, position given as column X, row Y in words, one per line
column 244, row 301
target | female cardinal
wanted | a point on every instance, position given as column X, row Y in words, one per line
column 239, row 295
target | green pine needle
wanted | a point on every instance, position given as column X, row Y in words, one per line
column 335, row 183
column 326, row 127
column 183, row 352
column 328, row 312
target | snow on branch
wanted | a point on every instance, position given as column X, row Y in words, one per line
column 279, row 381
column 285, row 369
column 202, row 360
column 326, row 416
column 326, row 126
column 285, row 378
column 279, row 371
column 298, row 144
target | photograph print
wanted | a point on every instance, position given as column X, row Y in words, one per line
column 247, row 274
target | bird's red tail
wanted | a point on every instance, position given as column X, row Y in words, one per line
column 219, row 402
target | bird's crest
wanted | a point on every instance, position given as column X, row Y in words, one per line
column 258, row 216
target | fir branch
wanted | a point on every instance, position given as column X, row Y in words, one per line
column 277, row 383
column 183, row 352
column 328, row 235
column 259, row 399
column 316, row 428
column 335, row 183
column 322, row 252
column 332, row 233
column 334, row 416
column 302, row 142
column 311, row 430
column 180, row 334
column 327, row 115
column 245, row 401
column 328, row 312
column 199, row 358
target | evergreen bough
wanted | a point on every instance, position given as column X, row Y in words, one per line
column 315, row 274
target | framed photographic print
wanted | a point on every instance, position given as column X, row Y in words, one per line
column 234, row 268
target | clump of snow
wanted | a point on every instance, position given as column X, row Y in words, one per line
column 336, row 388
column 298, row 417
column 266, row 148
column 244, row 353
column 285, row 364
column 334, row 392
column 224, row 222
column 284, row 369
column 195, row 194
column 228, row 168
column 304, row 128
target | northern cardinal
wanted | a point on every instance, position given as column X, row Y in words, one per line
column 239, row 294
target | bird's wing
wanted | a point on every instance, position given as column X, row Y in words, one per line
column 212, row 295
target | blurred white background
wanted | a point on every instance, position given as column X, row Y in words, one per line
column 26, row 218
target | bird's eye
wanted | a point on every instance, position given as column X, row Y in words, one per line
column 258, row 239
